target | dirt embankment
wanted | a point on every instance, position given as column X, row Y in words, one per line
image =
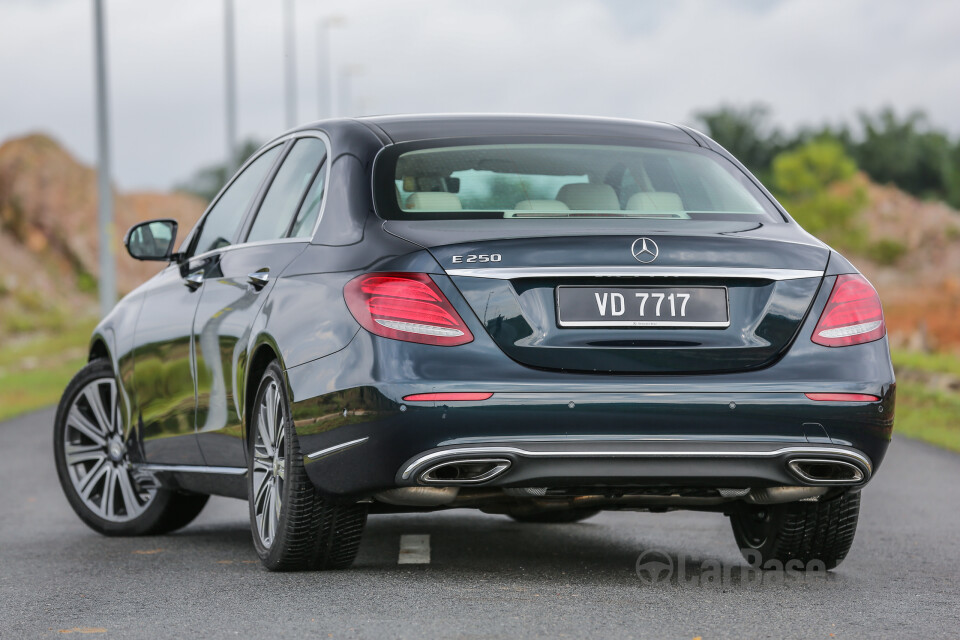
column 920, row 289
column 49, row 237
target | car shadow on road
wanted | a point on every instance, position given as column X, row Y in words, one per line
column 469, row 545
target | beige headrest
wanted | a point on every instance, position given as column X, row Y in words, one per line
column 434, row 201
column 540, row 205
column 663, row 201
column 585, row 196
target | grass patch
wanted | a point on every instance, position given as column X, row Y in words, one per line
column 35, row 369
column 925, row 411
column 928, row 414
column 929, row 362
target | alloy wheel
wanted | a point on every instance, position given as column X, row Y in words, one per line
column 97, row 459
column 269, row 464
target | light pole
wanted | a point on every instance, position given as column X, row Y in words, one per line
column 325, row 82
column 290, row 68
column 347, row 74
column 230, row 83
column 107, row 285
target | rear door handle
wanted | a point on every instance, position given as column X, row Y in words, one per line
column 194, row 280
column 259, row 279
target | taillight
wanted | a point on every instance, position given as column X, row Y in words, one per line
column 852, row 316
column 405, row 306
column 449, row 396
column 842, row 397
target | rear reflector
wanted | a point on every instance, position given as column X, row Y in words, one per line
column 853, row 314
column 405, row 306
column 842, row 397
column 447, row 397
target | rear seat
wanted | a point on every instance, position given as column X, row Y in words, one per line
column 434, row 201
column 655, row 201
column 585, row 196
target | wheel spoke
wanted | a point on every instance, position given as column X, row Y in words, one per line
column 108, row 500
column 261, row 462
column 89, row 481
column 268, row 513
column 77, row 421
column 118, row 421
column 277, row 418
column 130, row 502
column 100, row 413
column 271, row 410
column 77, row 453
column 262, row 528
column 276, row 498
column 263, row 431
column 260, row 491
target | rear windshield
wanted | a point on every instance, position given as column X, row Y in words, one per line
column 553, row 180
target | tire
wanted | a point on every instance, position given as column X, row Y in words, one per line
column 307, row 531
column 804, row 531
column 90, row 453
column 553, row 516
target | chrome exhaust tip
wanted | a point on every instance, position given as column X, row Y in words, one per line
column 822, row 471
column 459, row 472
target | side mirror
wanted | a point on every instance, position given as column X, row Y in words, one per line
column 152, row 240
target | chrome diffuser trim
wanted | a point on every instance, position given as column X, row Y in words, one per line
column 336, row 448
column 784, row 451
column 511, row 273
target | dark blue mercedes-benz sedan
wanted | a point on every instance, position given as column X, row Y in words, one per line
column 535, row 316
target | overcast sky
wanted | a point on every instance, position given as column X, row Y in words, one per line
column 811, row 60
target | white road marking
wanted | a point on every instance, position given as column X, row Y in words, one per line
column 414, row 549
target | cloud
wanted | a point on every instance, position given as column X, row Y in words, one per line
column 812, row 61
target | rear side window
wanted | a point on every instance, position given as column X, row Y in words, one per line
column 299, row 169
column 310, row 209
column 558, row 180
column 222, row 222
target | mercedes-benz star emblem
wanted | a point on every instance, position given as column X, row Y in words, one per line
column 645, row 250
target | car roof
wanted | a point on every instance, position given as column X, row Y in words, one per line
column 407, row 127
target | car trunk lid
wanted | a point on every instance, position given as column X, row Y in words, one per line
column 514, row 275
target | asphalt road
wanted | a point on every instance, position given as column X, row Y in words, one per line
column 487, row 578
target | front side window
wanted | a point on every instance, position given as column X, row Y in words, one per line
column 222, row 222
column 287, row 190
column 555, row 180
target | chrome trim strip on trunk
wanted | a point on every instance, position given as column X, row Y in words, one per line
column 336, row 448
column 644, row 323
column 511, row 273
column 188, row 468
column 485, row 451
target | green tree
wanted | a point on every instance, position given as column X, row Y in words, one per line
column 207, row 181
column 745, row 132
column 814, row 182
column 908, row 153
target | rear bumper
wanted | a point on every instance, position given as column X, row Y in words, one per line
column 365, row 440
column 639, row 463
column 556, row 428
